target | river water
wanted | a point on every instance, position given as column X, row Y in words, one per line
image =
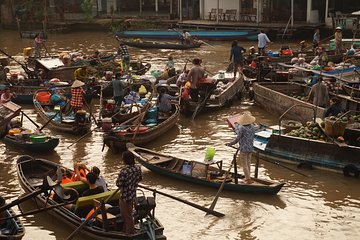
column 323, row 205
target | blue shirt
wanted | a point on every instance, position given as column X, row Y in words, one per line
column 236, row 54
column 245, row 137
column 262, row 40
column 165, row 102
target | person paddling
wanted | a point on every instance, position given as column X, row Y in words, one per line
column 245, row 131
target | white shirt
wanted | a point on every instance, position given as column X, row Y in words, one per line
column 262, row 40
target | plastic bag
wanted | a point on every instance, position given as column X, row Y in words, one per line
column 210, row 153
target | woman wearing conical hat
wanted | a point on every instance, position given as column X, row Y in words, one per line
column 77, row 95
column 245, row 131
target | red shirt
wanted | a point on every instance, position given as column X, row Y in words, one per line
column 77, row 97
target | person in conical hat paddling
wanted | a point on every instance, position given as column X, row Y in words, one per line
column 245, row 131
column 338, row 40
column 77, row 95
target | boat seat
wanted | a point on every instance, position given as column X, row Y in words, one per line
column 178, row 165
column 79, row 186
column 157, row 160
column 85, row 204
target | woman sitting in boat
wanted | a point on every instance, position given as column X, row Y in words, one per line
column 170, row 66
column 165, row 101
column 334, row 109
column 58, row 98
column 7, row 96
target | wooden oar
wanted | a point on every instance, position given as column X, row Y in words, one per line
column 210, row 211
column 30, row 119
column 212, row 206
column 72, row 235
column 203, row 103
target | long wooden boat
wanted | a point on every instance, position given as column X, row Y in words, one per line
column 161, row 45
column 65, row 122
column 277, row 97
column 25, row 93
column 210, row 35
column 13, row 228
column 226, row 91
column 208, row 174
column 316, row 153
column 31, row 173
column 31, row 142
column 117, row 138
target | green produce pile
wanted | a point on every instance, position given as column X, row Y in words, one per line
column 342, row 119
column 354, row 118
column 310, row 131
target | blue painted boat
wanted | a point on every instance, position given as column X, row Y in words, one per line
column 209, row 35
column 208, row 174
column 318, row 154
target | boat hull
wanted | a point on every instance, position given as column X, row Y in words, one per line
column 314, row 153
column 209, row 35
column 47, row 146
column 160, row 45
column 14, row 229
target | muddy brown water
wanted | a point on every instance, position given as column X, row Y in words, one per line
column 324, row 205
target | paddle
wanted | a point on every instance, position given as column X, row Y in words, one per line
column 278, row 164
column 210, row 211
column 202, row 104
column 36, row 125
column 72, row 235
column 212, row 206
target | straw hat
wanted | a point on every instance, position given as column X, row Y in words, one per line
column 338, row 28
column 245, row 119
column 303, row 41
column 187, row 85
column 77, row 83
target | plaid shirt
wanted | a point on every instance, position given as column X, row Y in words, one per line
column 77, row 97
column 129, row 177
column 123, row 51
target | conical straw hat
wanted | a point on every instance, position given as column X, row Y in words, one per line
column 77, row 83
column 245, row 119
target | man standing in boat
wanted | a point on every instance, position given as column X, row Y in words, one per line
column 316, row 39
column 38, row 45
column 123, row 51
column 128, row 179
column 319, row 95
column 245, row 134
column 236, row 56
column 196, row 73
column 118, row 87
column 263, row 40
column 338, row 40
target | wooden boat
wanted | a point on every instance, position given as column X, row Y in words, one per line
column 25, row 140
column 205, row 173
column 315, row 150
column 225, row 92
column 117, row 138
column 13, row 228
column 277, row 97
column 210, row 35
column 351, row 91
column 161, row 45
column 65, row 122
column 55, row 68
column 346, row 43
column 314, row 153
column 31, row 173
column 32, row 34
column 25, row 93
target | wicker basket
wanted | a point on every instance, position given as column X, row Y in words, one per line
column 334, row 129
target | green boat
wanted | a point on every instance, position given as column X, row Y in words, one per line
column 208, row 174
